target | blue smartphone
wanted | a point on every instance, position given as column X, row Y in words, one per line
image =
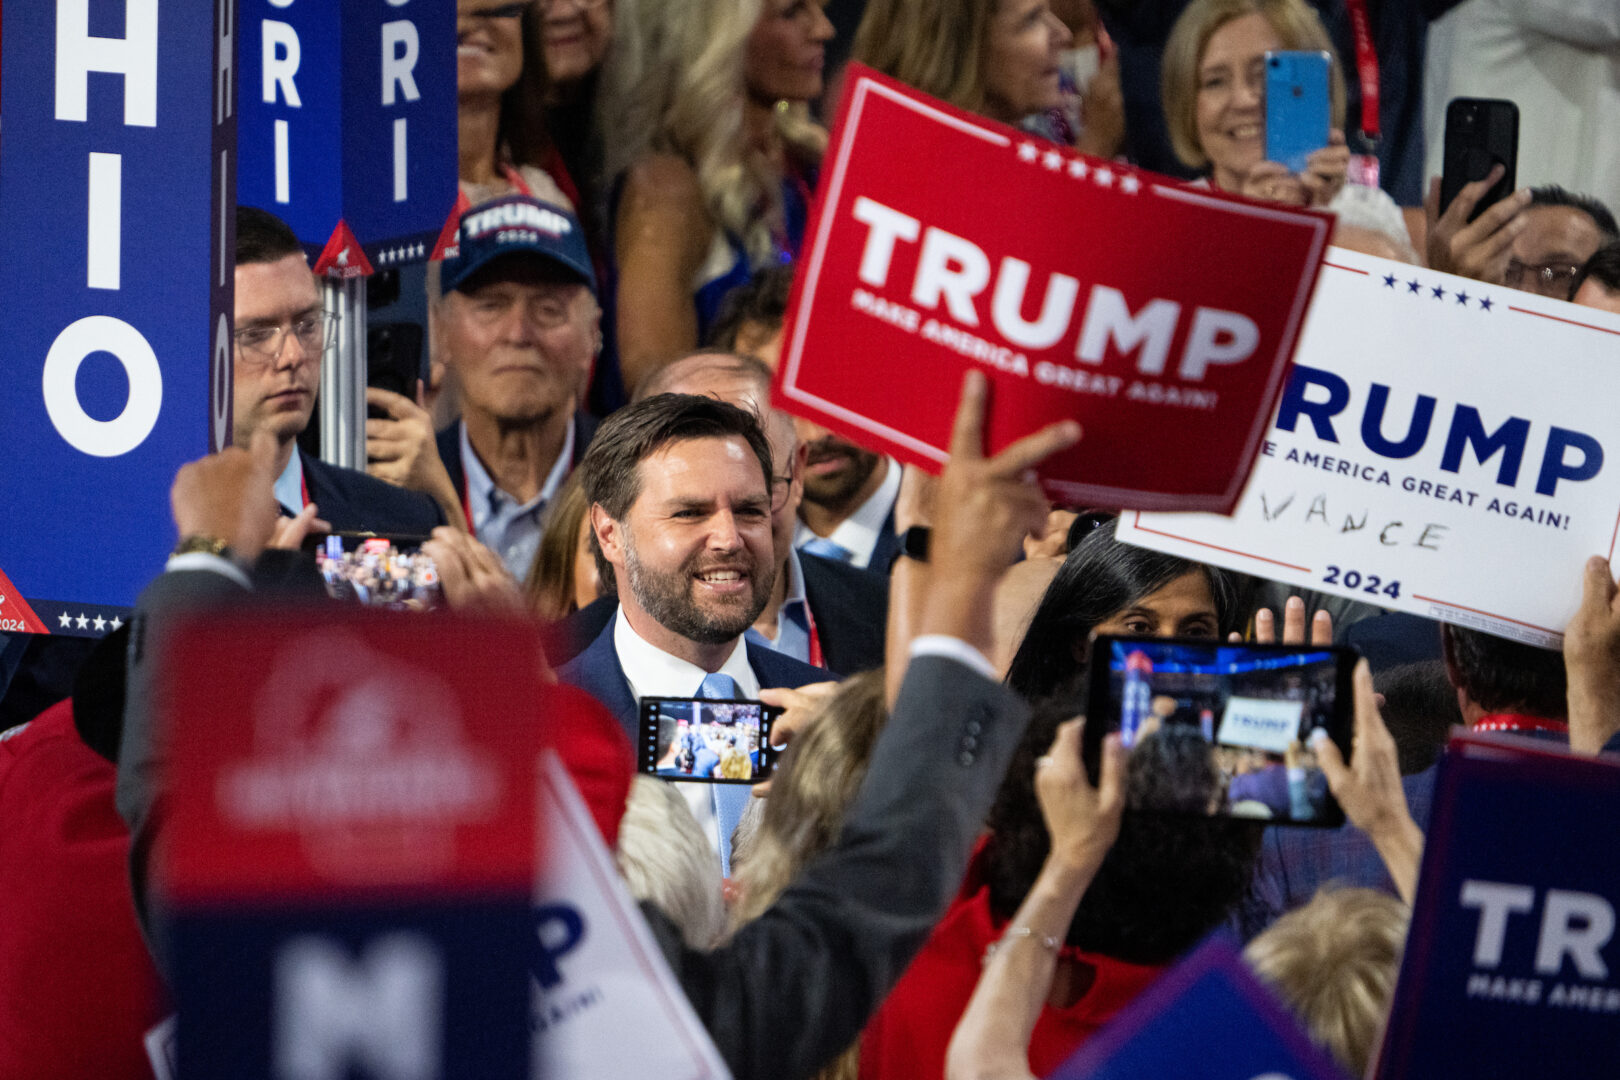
column 1298, row 109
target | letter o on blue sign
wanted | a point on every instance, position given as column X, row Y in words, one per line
column 223, row 372
column 127, row 430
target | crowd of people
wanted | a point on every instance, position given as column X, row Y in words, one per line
column 927, row 883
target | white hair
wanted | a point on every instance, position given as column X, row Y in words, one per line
column 666, row 861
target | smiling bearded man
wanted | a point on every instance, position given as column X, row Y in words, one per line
column 680, row 493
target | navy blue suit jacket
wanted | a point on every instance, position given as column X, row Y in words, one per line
column 449, row 443
column 597, row 672
column 355, row 502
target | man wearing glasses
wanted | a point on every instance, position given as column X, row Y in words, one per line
column 281, row 332
column 1535, row 240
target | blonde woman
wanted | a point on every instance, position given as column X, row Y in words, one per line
column 715, row 156
column 1002, row 59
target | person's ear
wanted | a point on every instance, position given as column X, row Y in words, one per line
column 609, row 535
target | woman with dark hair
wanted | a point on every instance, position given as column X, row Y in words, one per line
column 500, row 94
column 1107, row 587
column 1165, row 884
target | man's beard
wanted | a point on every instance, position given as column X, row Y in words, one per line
column 836, row 491
column 669, row 598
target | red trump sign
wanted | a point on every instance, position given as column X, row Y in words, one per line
column 1161, row 316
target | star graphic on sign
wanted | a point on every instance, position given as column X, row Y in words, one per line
column 1077, row 169
column 1028, row 151
column 117, row 622
column 66, row 619
column 1485, row 303
column 1052, row 160
column 1389, row 281
column 1462, row 298
column 100, row 623
column 1104, row 176
column 1413, row 287
column 1129, row 184
column 1439, row 293
column 83, row 622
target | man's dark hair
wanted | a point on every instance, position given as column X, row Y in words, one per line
column 762, row 301
column 1420, row 709
column 1555, row 195
column 609, row 470
column 1503, row 676
column 1603, row 267
column 1167, row 881
column 1099, row 578
column 261, row 237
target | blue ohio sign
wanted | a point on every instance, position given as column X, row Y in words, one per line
column 115, row 191
column 348, row 125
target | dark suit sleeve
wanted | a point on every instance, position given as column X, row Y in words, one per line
column 795, row 987
column 142, row 752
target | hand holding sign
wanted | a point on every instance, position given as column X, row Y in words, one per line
column 1592, row 661
column 1369, row 788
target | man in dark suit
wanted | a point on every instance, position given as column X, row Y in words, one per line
column 518, row 327
column 281, row 331
column 840, row 935
column 681, row 498
column 826, row 613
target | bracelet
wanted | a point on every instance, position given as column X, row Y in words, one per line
column 1014, row 933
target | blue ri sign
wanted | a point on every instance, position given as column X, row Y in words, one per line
column 348, row 125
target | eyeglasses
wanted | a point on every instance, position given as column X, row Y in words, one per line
column 1552, row 279
column 315, row 331
column 502, row 11
column 548, row 6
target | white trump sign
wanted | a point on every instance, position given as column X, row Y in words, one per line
column 1260, row 723
column 1443, row 447
column 605, row 1002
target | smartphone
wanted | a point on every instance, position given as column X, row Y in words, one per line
column 1298, row 108
column 1480, row 134
column 705, row 740
column 393, row 360
column 379, row 571
column 1223, row 729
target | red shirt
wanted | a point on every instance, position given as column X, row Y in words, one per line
column 78, row 990
column 907, row 1038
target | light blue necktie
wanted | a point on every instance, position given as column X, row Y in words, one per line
column 729, row 800
column 823, row 548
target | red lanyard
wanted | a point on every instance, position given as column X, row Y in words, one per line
column 303, row 489
column 466, row 502
column 815, row 638
column 1366, row 69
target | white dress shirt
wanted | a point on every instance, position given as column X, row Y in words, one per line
column 652, row 672
column 860, row 531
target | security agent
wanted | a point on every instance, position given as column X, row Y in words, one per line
column 281, row 332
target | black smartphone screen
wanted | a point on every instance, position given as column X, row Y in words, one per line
column 707, row 741
column 1222, row 729
column 1481, row 133
column 378, row 571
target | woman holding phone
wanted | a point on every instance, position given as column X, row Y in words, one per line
column 1214, row 94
